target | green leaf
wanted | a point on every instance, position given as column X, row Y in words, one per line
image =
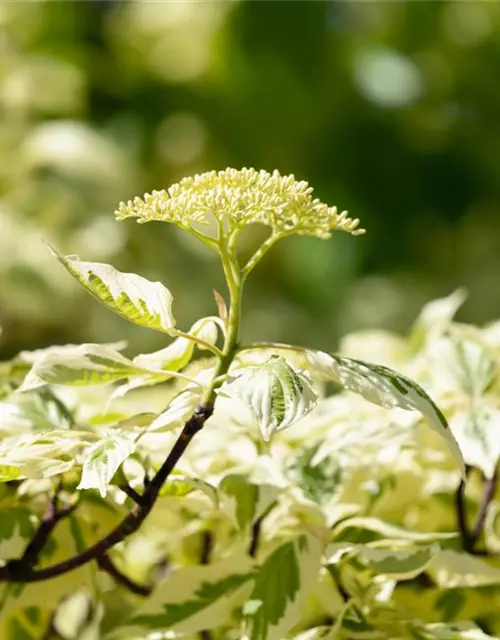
column 145, row 303
column 284, row 582
column 192, row 598
column 276, row 394
column 246, row 500
column 16, row 529
column 386, row 388
column 398, row 564
column 102, row 462
column 84, row 365
column 478, row 434
column 8, row 473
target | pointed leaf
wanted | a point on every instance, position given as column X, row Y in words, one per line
column 145, row 303
column 102, row 462
column 436, row 315
column 388, row 389
column 86, row 364
column 284, row 582
column 192, row 598
column 398, row 564
column 451, row 569
column 276, row 394
column 478, row 434
column 32, row 412
column 389, row 530
column 179, row 410
column 462, row 363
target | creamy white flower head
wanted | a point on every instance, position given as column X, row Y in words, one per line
column 239, row 197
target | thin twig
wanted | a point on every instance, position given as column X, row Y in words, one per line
column 16, row 571
column 490, row 486
column 335, row 573
column 255, row 537
column 106, row 564
column 131, row 492
column 463, row 527
column 256, row 531
column 50, row 519
column 207, row 543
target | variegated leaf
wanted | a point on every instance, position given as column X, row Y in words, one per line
column 102, row 462
column 276, row 394
column 146, row 303
column 387, row 388
column 192, row 599
column 285, row 580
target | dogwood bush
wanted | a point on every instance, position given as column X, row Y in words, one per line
column 348, row 495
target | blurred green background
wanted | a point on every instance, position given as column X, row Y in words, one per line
column 390, row 110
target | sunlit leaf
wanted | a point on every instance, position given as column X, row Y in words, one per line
column 463, row 362
column 389, row 530
column 388, row 389
column 33, row 412
column 180, row 409
column 276, row 394
column 478, row 433
column 398, row 564
column 178, row 486
column 84, row 365
column 435, row 316
column 193, row 598
column 146, row 303
column 451, row 569
column 102, row 462
column 448, row 631
column 178, row 354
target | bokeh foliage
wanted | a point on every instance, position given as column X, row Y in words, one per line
column 390, row 110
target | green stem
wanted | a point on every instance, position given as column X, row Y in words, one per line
column 235, row 286
column 270, row 345
column 199, row 341
column 260, row 253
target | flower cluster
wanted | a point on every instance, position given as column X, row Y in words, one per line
column 239, row 197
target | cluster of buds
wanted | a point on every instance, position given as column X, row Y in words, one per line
column 236, row 198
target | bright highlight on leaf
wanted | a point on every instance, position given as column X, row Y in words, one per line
column 276, row 394
column 102, row 462
column 385, row 387
column 146, row 303
column 84, row 365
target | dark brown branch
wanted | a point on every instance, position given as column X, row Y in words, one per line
column 207, row 543
column 463, row 527
column 48, row 523
column 14, row 571
column 255, row 537
column 131, row 492
column 334, row 571
column 256, row 531
column 490, row 486
column 106, row 564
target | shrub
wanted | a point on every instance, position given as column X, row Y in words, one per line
column 301, row 510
